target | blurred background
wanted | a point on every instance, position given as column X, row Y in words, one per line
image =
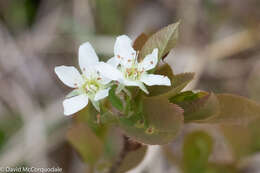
column 219, row 41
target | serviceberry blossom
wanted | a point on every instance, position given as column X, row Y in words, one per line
column 90, row 85
column 134, row 73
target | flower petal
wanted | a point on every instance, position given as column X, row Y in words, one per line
column 142, row 87
column 75, row 104
column 103, row 80
column 150, row 61
column 152, row 79
column 124, row 51
column 131, row 82
column 109, row 72
column 87, row 56
column 95, row 104
column 101, row 94
column 113, row 62
column 135, row 83
column 69, row 75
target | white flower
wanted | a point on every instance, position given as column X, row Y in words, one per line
column 90, row 85
column 134, row 73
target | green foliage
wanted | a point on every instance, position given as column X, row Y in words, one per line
column 157, row 118
column 196, row 150
column 114, row 99
column 165, row 39
column 85, row 142
column 165, row 70
column 162, row 122
column 178, row 82
column 197, row 106
column 235, row 110
column 90, row 116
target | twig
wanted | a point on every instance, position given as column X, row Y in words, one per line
column 129, row 146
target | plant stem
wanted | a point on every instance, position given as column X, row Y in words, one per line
column 129, row 146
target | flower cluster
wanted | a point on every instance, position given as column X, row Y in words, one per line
column 97, row 77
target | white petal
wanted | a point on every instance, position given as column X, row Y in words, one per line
column 152, row 79
column 142, row 87
column 75, row 104
column 150, row 61
column 101, row 94
column 124, row 51
column 95, row 104
column 135, row 83
column 109, row 72
column 87, row 56
column 131, row 82
column 104, row 80
column 91, row 72
column 113, row 62
column 69, row 75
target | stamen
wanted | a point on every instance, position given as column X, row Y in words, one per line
column 84, row 69
column 136, row 56
column 151, row 62
column 99, row 78
column 118, row 56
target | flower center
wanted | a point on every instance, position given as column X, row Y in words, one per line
column 91, row 86
column 133, row 73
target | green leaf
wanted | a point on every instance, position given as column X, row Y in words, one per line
column 165, row 70
column 86, row 143
column 90, row 115
column 196, row 150
column 178, row 83
column 186, row 97
column 163, row 115
column 141, row 135
column 108, row 118
column 114, row 99
column 235, row 110
column 165, row 39
column 197, row 106
column 162, row 121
